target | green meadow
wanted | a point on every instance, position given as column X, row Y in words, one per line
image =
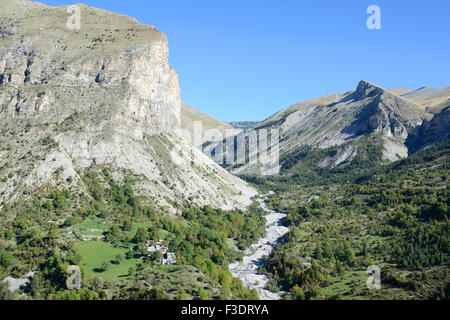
column 94, row 253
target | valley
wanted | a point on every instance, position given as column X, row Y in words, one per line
column 104, row 168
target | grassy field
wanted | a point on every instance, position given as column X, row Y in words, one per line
column 94, row 253
column 350, row 285
column 97, row 226
column 92, row 224
column 173, row 279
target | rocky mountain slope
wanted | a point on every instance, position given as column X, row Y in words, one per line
column 431, row 131
column 103, row 95
column 368, row 124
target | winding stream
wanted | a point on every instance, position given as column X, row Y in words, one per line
column 247, row 270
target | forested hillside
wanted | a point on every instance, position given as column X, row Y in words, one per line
column 105, row 231
column 342, row 221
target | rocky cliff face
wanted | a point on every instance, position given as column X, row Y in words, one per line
column 103, row 94
column 43, row 62
column 431, row 131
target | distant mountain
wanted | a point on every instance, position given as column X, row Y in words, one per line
column 361, row 127
column 190, row 115
column 244, row 125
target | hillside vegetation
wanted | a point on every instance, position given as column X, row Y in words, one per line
column 105, row 231
column 342, row 221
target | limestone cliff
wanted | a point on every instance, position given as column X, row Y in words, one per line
column 104, row 94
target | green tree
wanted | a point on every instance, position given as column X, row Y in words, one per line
column 35, row 286
column 298, row 292
column 153, row 233
column 141, row 235
column 106, row 265
column 203, row 294
column 129, row 254
column 54, row 270
column 127, row 225
column 141, row 249
column 5, row 294
column 157, row 293
column 114, row 231
column 156, row 256
column 131, row 270
column 6, row 258
column 120, row 257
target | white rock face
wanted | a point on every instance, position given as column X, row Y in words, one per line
column 107, row 95
column 343, row 155
column 394, row 150
column 138, row 87
column 17, row 283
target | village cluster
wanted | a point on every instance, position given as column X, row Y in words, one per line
column 167, row 257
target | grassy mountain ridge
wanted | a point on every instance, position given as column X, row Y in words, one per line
column 434, row 99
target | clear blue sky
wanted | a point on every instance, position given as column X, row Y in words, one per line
column 247, row 59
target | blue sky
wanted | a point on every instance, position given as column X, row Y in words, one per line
column 247, row 59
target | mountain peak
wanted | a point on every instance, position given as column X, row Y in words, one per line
column 366, row 88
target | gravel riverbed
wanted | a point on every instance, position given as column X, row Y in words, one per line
column 247, row 270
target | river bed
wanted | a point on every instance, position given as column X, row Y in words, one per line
column 247, row 270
